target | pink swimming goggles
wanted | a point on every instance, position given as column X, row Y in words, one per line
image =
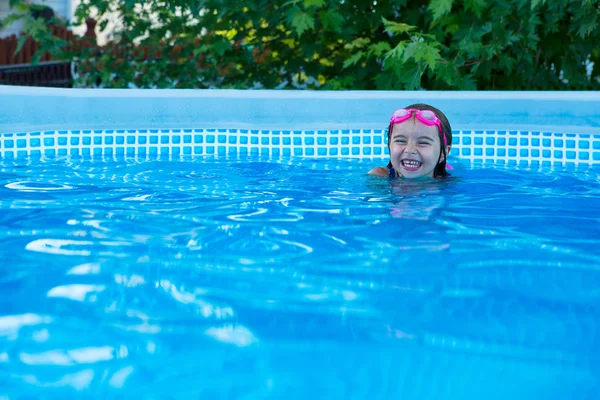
column 427, row 117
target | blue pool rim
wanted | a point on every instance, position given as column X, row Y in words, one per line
column 505, row 127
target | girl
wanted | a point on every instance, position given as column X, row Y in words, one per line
column 419, row 141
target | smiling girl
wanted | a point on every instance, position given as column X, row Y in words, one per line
column 419, row 141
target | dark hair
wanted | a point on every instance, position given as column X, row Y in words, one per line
column 440, row 168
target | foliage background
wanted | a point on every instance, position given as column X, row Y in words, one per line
column 336, row 44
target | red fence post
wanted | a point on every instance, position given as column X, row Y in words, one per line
column 3, row 52
column 11, row 44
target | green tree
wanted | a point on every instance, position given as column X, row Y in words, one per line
column 341, row 44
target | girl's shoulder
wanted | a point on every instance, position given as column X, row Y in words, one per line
column 379, row 171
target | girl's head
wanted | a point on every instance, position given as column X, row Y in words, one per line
column 419, row 140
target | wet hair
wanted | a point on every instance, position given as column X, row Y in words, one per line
column 440, row 168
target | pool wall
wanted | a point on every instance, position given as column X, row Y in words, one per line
column 530, row 127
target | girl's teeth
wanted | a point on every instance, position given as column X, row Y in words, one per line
column 411, row 163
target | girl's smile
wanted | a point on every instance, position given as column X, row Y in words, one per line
column 415, row 149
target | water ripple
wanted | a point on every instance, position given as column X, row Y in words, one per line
column 30, row 186
column 68, row 247
column 198, row 277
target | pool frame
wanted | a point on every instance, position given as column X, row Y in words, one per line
column 501, row 127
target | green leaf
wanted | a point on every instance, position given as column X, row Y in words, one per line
column 205, row 48
column 20, row 43
column 472, row 49
column 397, row 27
column 35, row 59
column 341, row 83
column 431, row 55
column 452, row 29
column 221, row 47
column 414, row 80
column 386, row 81
column 420, row 51
column 290, row 3
column 331, row 19
column 410, row 76
column 411, row 51
column 130, row 3
column 359, row 42
column 440, row 8
column 12, row 18
column 587, row 25
column 467, row 83
column 13, row 3
column 534, row 3
column 103, row 24
column 354, row 59
column 314, row 3
column 477, row 6
column 379, row 48
column 396, row 55
column 448, row 74
column 301, row 20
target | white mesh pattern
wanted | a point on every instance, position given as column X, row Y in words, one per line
column 528, row 147
column 494, row 146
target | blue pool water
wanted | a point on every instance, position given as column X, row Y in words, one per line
column 250, row 278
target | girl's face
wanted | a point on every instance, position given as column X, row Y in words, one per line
column 415, row 149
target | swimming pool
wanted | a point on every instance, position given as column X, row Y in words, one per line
column 230, row 245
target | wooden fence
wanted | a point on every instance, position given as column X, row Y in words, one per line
column 16, row 69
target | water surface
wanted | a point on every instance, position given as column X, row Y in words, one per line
column 254, row 279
